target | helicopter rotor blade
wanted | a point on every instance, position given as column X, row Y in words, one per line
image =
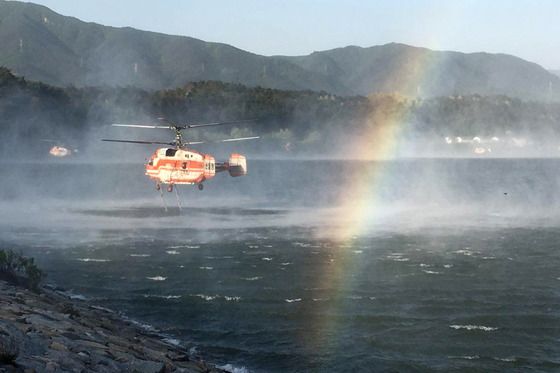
column 139, row 125
column 222, row 141
column 140, row 142
column 198, row 125
column 181, row 127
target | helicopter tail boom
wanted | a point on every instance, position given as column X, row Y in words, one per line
column 236, row 165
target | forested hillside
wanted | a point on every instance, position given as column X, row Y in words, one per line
column 291, row 122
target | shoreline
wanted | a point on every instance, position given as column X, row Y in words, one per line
column 51, row 332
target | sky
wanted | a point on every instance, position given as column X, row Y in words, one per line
column 529, row 29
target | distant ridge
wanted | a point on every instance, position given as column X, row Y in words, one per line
column 43, row 45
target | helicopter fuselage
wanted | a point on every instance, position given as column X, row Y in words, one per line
column 180, row 166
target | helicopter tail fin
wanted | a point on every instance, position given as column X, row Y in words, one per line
column 237, row 165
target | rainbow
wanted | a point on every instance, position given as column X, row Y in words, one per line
column 357, row 209
column 380, row 141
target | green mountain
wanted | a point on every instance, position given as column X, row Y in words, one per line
column 42, row 45
column 422, row 72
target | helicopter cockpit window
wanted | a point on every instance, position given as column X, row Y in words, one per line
column 170, row 152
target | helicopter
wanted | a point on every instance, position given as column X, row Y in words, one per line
column 179, row 165
column 59, row 150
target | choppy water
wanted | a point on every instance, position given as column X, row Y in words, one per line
column 463, row 276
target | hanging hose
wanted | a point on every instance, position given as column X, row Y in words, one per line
column 178, row 199
column 163, row 199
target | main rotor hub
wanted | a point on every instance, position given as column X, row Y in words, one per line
column 178, row 137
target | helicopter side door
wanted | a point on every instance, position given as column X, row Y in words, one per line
column 209, row 167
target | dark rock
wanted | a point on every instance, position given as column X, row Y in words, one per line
column 58, row 346
column 177, row 357
column 90, row 345
column 31, row 363
column 68, row 309
column 71, row 336
column 93, row 340
column 34, row 344
column 9, row 349
column 51, row 367
column 145, row 366
column 10, row 340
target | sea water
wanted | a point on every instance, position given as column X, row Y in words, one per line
column 458, row 269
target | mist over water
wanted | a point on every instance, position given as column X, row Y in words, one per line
column 411, row 189
column 453, row 267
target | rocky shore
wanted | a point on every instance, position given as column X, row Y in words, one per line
column 49, row 332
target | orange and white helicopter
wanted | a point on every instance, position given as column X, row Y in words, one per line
column 60, row 150
column 178, row 165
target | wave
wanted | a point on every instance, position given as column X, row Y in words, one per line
column 162, row 296
column 184, row 247
column 139, row 255
column 139, row 324
column 205, row 297
column 71, row 295
column 293, row 300
column 207, row 268
column 105, row 309
column 474, row 327
column 173, row 252
column 286, row 264
column 466, row 357
column 210, row 298
column 157, row 278
column 266, row 259
column 466, row 251
column 93, row 260
column 172, row 341
column 231, row 369
column 232, row 299
column 357, row 251
column 397, row 257
column 252, row 278
column 431, row 272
